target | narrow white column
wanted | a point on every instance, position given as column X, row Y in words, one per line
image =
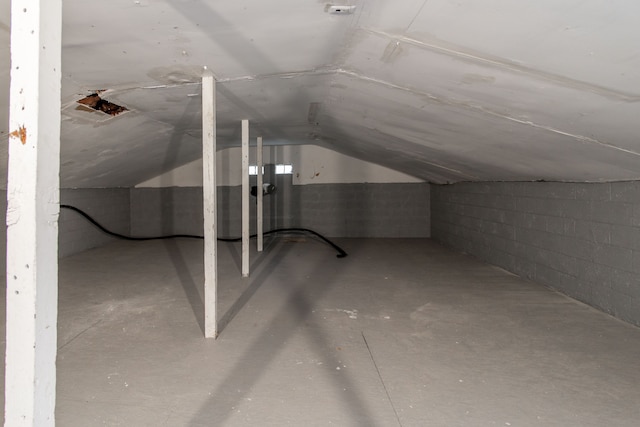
column 210, row 204
column 33, row 205
column 259, row 215
column 245, row 198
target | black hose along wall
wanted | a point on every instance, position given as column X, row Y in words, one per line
column 333, row 210
column 90, row 219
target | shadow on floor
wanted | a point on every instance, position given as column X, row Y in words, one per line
column 191, row 289
column 255, row 282
column 256, row 360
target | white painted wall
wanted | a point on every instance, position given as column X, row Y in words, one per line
column 311, row 165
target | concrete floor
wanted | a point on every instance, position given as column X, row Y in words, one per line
column 400, row 333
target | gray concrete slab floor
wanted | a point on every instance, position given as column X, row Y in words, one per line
column 401, row 333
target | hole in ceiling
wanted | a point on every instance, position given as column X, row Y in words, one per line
column 95, row 102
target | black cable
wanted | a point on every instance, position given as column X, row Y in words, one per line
column 122, row 236
column 341, row 252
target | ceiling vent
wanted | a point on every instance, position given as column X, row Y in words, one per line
column 313, row 113
column 342, row 10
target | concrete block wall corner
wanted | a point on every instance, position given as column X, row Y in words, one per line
column 582, row 239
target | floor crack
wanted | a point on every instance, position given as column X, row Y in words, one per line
column 381, row 380
column 78, row 335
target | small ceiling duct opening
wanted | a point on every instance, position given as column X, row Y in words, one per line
column 342, row 10
column 313, row 113
column 95, row 102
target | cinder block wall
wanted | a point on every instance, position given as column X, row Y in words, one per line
column 165, row 211
column 334, row 210
column 178, row 210
column 579, row 238
column 364, row 210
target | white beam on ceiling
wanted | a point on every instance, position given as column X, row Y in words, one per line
column 210, row 204
column 33, row 206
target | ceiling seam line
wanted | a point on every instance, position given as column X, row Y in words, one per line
column 582, row 138
column 483, row 110
column 536, row 74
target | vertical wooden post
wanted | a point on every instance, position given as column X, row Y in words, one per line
column 245, row 198
column 33, row 206
column 260, row 195
column 209, row 190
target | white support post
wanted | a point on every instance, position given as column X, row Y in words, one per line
column 33, row 205
column 245, row 198
column 260, row 195
column 210, row 204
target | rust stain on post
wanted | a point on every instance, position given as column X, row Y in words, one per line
column 20, row 133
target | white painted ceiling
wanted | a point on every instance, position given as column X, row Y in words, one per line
column 445, row 90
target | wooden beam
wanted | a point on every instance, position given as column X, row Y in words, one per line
column 260, row 213
column 245, row 198
column 209, row 190
column 33, row 206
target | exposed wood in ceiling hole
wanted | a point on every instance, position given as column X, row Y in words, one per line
column 95, row 102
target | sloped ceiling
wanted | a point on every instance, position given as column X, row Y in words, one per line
column 445, row 90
